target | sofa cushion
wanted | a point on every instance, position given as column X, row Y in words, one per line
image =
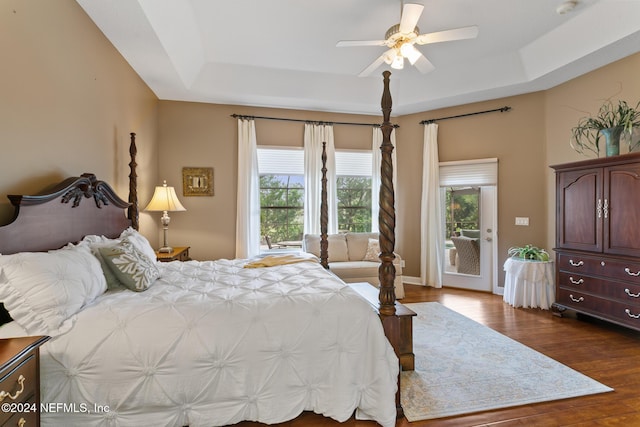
column 337, row 246
column 355, row 269
column 357, row 244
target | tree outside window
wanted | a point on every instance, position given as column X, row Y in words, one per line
column 281, row 207
column 462, row 208
column 354, row 203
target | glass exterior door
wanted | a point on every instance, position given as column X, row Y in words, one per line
column 469, row 213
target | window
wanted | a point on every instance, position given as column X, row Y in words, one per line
column 353, row 189
column 281, row 193
column 281, row 173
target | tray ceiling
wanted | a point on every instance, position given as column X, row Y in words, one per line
column 283, row 54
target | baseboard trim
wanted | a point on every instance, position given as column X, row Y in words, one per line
column 412, row 280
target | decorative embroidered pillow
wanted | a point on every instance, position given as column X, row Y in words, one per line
column 95, row 243
column 373, row 251
column 43, row 290
column 130, row 265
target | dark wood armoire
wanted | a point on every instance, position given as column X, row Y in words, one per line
column 598, row 238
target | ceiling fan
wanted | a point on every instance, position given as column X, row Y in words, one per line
column 401, row 38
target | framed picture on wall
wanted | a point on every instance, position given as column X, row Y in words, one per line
column 197, row 181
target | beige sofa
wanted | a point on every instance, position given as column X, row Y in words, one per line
column 347, row 258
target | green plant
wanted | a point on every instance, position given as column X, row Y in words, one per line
column 529, row 252
column 586, row 135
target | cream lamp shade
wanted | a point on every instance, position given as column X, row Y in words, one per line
column 165, row 200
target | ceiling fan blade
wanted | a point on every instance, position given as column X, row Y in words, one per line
column 371, row 68
column 448, row 35
column 410, row 14
column 349, row 43
column 424, row 65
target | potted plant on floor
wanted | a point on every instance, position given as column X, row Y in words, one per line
column 528, row 252
column 612, row 122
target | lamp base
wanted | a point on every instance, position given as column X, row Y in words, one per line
column 165, row 249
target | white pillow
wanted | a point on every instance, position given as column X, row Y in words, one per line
column 373, row 251
column 140, row 242
column 43, row 290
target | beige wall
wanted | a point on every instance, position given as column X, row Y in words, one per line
column 205, row 135
column 515, row 138
column 68, row 101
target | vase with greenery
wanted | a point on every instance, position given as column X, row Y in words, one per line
column 528, row 252
column 612, row 122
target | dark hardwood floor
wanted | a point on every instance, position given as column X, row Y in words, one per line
column 605, row 352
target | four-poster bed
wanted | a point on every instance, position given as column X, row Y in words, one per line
column 204, row 342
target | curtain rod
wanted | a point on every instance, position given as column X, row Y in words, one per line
column 502, row 110
column 315, row 122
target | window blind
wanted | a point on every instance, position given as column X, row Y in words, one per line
column 290, row 161
column 281, row 161
column 353, row 163
column 469, row 172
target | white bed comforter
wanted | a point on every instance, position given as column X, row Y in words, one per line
column 212, row 343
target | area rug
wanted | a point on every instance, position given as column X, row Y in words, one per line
column 462, row 367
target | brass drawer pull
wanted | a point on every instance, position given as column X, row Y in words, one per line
column 4, row 394
column 22, row 422
column 576, row 264
column 576, row 282
column 628, row 271
column 576, row 299
column 634, row 316
column 628, row 292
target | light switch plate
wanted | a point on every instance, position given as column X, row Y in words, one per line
column 522, row 220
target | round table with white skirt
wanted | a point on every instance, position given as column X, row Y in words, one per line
column 529, row 284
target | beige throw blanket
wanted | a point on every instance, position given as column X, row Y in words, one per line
column 281, row 259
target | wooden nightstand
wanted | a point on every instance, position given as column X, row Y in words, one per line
column 178, row 254
column 20, row 380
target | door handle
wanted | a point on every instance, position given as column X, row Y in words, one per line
column 488, row 239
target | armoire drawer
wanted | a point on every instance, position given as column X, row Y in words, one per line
column 580, row 264
column 617, row 311
column 625, row 292
column 600, row 266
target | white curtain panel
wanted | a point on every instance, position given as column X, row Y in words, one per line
column 314, row 136
column 376, row 155
column 432, row 251
column 248, row 202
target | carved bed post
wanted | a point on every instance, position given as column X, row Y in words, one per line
column 324, row 212
column 133, row 211
column 387, row 215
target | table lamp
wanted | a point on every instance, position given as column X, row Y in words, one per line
column 165, row 200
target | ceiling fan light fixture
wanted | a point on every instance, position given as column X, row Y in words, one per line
column 400, row 40
column 388, row 56
column 409, row 51
column 398, row 62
